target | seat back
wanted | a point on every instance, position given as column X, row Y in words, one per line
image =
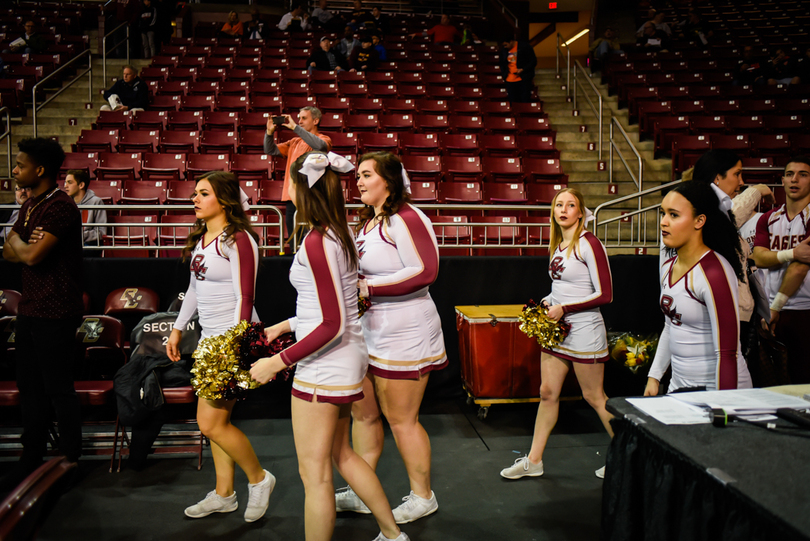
column 9, row 299
column 102, row 339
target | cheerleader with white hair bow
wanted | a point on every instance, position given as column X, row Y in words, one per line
column 330, row 355
column 399, row 259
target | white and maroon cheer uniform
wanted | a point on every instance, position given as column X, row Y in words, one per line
column 581, row 283
column 331, row 353
column 776, row 232
column 701, row 330
column 223, row 282
column 400, row 259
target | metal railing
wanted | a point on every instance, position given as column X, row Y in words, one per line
column 104, row 49
column 76, row 58
column 505, row 12
column 637, row 179
column 7, row 136
column 597, row 110
column 560, row 44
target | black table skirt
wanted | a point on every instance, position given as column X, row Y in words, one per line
column 659, row 483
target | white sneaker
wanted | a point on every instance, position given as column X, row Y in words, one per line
column 401, row 537
column 259, row 497
column 347, row 500
column 600, row 473
column 415, row 507
column 212, row 503
column 523, row 467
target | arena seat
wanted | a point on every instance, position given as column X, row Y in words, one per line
column 108, row 190
column 179, row 142
column 231, row 103
column 96, row 141
column 505, row 193
column 163, row 166
column 270, row 192
column 460, row 192
column 398, row 105
column 118, row 166
column 537, row 146
column 197, row 103
column 423, row 192
column 218, row 142
column 423, row 144
column 396, row 122
column 361, row 123
column 542, row 194
column 129, row 231
column 198, row 164
column 176, row 231
column 502, row 169
column 149, row 120
column 465, row 124
column 432, row 106
column 252, row 166
column 172, row 88
column 423, row 168
column 364, row 105
column 377, row 142
column 9, row 299
column 138, row 141
column 143, row 192
column 86, row 161
column 184, row 120
column 332, row 104
column 113, row 120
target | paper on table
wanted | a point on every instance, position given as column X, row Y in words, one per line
column 669, row 411
column 745, row 401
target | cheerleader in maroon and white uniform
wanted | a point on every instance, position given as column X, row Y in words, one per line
column 699, row 295
column 330, row 356
column 224, row 263
column 399, row 259
column 581, row 283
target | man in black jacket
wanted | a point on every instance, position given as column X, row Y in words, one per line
column 517, row 61
column 127, row 94
column 34, row 42
column 326, row 58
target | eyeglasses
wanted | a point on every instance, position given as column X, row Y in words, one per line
column 803, row 175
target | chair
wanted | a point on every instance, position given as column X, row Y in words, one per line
column 663, row 130
column 270, row 192
column 737, row 143
column 396, row 122
column 454, row 235
column 460, row 192
column 688, row 148
column 264, row 88
column 531, row 109
column 366, row 105
column 179, row 192
column 179, row 142
column 163, row 166
column 537, row 146
column 649, row 112
column 143, row 192
column 331, row 104
column 460, row 144
column 149, row 120
column 462, row 168
column 130, row 304
column 543, row 170
column 9, row 299
column 172, row 88
column 197, row 103
column 353, row 90
column 202, row 163
column 785, row 124
column 505, row 193
column 373, row 142
column 423, row 168
column 423, row 192
column 118, row 166
column 86, row 161
column 251, row 189
column 396, row 105
column 502, row 169
column 252, row 166
column 499, row 125
column 745, row 124
column 331, row 122
column 253, row 122
column 361, row 123
column 770, row 144
column 218, row 142
column 422, row 144
column 499, row 108
column 251, row 142
column 266, row 104
column 130, row 231
column 292, row 104
column 108, row 190
column 542, row 194
column 499, row 235
column 232, row 103
column 532, row 126
column 174, row 230
column 113, row 120
column 138, row 141
column 463, row 124
column 220, row 120
column 184, row 120
column 431, row 106
column 344, row 143
column 96, row 141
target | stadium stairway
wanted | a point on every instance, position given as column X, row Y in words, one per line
column 581, row 165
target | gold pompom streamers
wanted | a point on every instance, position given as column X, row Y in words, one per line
column 535, row 323
column 216, row 372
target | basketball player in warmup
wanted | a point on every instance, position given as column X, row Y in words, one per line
column 399, row 259
column 782, row 245
column 699, row 295
column 330, row 356
column 580, row 283
column 224, row 263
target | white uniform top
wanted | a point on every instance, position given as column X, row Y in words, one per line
column 701, row 331
column 581, row 282
column 748, row 231
column 223, row 284
column 776, row 232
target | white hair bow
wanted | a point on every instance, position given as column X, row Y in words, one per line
column 406, row 181
column 588, row 215
column 244, row 199
column 315, row 165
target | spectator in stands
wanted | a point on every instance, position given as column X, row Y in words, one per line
column 606, row 45
column 326, row 58
column 778, row 249
column 444, row 32
column 693, row 27
column 348, row 43
column 750, row 70
column 307, row 139
column 32, row 41
column 379, row 20
column 382, row 54
column 295, row 21
column 322, row 17
column 77, row 186
column 359, row 16
column 364, row 58
column 651, row 38
column 658, row 22
column 51, row 307
column 148, row 24
column 233, row 28
column 20, row 196
column 127, row 94
column 517, row 61
column 781, row 70
column 468, row 37
column 255, row 27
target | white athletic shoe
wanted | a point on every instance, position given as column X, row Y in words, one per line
column 401, row 537
column 259, row 497
column 347, row 500
column 212, row 503
column 523, row 467
column 600, row 473
column 415, row 507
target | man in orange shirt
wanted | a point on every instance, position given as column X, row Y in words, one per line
column 307, row 139
column 517, row 61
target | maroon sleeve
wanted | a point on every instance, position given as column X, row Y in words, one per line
column 762, row 237
column 599, row 269
column 724, row 317
column 323, row 268
column 243, row 267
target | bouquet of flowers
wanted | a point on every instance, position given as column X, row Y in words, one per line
column 632, row 350
column 222, row 363
column 534, row 322
column 363, row 304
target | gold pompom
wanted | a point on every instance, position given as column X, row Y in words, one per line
column 217, row 374
column 535, row 323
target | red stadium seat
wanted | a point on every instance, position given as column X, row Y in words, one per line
column 220, row 120
column 543, row 170
column 197, row 103
column 366, row 105
column 86, row 161
column 396, row 105
column 422, row 144
column 108, row 190
column 149, row 120
column 412, row 91
column 235, row 87
column 497, row 108
column 330, row 104
column 503, row 169
column 785, row 124
column 463, row 124
column 460, row 144
column 344, row 143
column 504, row 192
column 462, row 168
column 500, row 235
column 265, row 88
column 472, row 108
column 423, row 192
column 353, row 90
column 266, row 104
column 270, row 192
column 374, row 142
column 202, row 163
column 179, row 192
column 323, row 89
column 537, row 146
column 542, row 194
column 745, row 124
column 383, row 77
column 431, row 106
column 294, row 104
column 530, row 109
column 164, row 166
column 97, row 141
column 176, row 230
column 331, row 122
column 470, row 93
column 218, row 142
column 423, row 168
column 770, row 145
column 499, row 145
column 172, row 88
column 460, row 192
column 686, row 149
column 185, row 120
column 663, row 130
column 113, row 120
column 532, row 126
column 118, row 166
column 252, row 166
column 183, row 74
column 707, row 125
column 138, row 141
column 232, row 103
column 737, row 143
column 253, row 121
column 251, row 142
column 396, row 122
column 427, row 123
column 144, row 192
column 455, row 234
column 361, row 122
column 499, row 125
column 177, row 142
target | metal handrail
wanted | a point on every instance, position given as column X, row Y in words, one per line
column 104, row 49
column 7, row 136
column 638, row 180
column 505, row 11
column 561, row 43
column 578, row 68
column 71, row 83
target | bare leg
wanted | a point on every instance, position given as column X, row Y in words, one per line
column 229, row 445
column 591, row 377
column 361, row 477
column 553, row 371
column 367, row 426
column 400, row 400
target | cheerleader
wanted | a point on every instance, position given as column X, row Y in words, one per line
column 330, row 355
column 580, row 283
column 399, row 259
column 224, row 263
column 699, row 295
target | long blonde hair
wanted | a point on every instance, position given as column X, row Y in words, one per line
column 556, row 230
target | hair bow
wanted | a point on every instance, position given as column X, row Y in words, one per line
column 244, row 199
column 315, row 165
column 588, row 215
column 406, row 181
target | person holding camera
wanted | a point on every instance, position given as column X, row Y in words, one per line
column 307, row 139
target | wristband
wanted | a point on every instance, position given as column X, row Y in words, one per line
column 784, row 256
column 779, row 301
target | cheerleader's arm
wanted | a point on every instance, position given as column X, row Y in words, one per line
column 189, row 307
column 243, row 256
column 663, row 356
column 599, row 269
column 719, row 295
